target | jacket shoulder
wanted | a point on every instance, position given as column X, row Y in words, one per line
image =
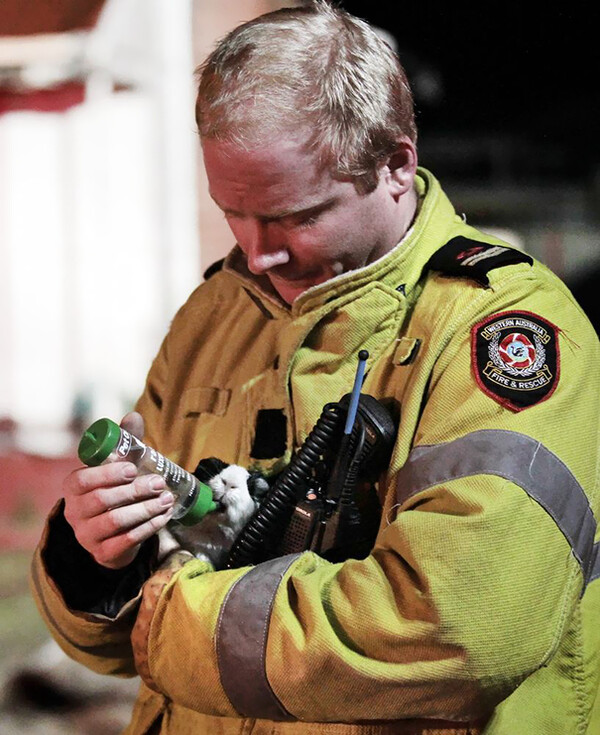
column 217, row 289
column 468, row 280
column 474, row 258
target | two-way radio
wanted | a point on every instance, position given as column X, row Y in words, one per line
column 314, row 504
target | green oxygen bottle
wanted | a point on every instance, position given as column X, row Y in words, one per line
column 105, row 441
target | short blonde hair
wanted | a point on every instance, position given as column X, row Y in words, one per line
column 316, row 68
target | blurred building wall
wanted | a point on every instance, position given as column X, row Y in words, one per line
column 98, row 219
column 79, row 230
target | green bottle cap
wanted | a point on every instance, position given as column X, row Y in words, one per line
column 98, row 441
column 202, row 505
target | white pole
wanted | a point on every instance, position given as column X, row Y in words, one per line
column 175, row 90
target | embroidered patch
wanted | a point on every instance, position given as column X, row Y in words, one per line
column 467, row 258
column 516, row 358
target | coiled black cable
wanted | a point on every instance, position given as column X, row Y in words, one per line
column 257, row 542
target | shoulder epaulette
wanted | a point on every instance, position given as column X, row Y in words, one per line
column 467, row 258
column 214, row 268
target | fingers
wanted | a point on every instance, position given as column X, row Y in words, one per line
column 112, row 535
column 134, row 423
column 87, row 479
column 104, row 499
column 114, row 507
column 121, row 529
column 117, row 551
column 112, row 511
column 127, row 517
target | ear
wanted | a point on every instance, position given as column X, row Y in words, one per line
column 258, row 486
column 400, row 168
column 209, row 468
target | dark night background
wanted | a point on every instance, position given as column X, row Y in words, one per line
column 510, row 100
column 504, row 71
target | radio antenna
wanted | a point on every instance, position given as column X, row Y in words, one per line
column 342, row 462
column 363, row 356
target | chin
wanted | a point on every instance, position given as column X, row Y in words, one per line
column 289, row 291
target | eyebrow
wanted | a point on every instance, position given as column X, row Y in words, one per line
column 285, row 213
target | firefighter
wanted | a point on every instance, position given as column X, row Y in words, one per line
column 476, row 610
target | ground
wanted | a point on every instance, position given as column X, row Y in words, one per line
column 41, row 692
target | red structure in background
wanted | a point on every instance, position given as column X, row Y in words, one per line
column 20, row 18
column 57, row 99
column 30, row 17
column 29, row 486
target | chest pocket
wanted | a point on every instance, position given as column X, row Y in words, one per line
column 246, row 425
column 267, row 436
column 203, row 426
column 195, row 401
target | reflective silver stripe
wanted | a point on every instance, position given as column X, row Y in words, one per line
column 242, row 640
column 596, row 563
column 517, row 458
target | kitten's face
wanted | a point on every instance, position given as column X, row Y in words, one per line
column 212, row 537
column 230, row 487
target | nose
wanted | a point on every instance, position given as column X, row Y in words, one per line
column 264, row 244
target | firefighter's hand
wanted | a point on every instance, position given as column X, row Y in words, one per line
column 112, row 511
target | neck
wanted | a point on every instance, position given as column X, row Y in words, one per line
column 406, row 214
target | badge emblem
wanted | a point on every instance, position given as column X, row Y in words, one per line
column 515, row 358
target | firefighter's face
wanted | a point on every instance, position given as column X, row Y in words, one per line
column 299, row 225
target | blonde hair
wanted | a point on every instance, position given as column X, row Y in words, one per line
column 314, row 68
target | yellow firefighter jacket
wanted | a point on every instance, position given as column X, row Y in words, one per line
column 478, row 609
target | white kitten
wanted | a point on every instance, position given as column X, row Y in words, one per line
column 212, row 538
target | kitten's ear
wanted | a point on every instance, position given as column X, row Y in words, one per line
column 258, row 486
column 209, row 468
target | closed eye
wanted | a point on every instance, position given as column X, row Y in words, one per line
column 308, row 221
column 290, row 220
column 310, row 217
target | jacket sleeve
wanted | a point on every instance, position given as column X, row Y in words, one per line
column 67, row 585
column 477, row 568
column 90, row 610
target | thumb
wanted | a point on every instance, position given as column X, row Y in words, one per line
column 134, row 423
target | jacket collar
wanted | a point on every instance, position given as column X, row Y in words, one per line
column 399, row 269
